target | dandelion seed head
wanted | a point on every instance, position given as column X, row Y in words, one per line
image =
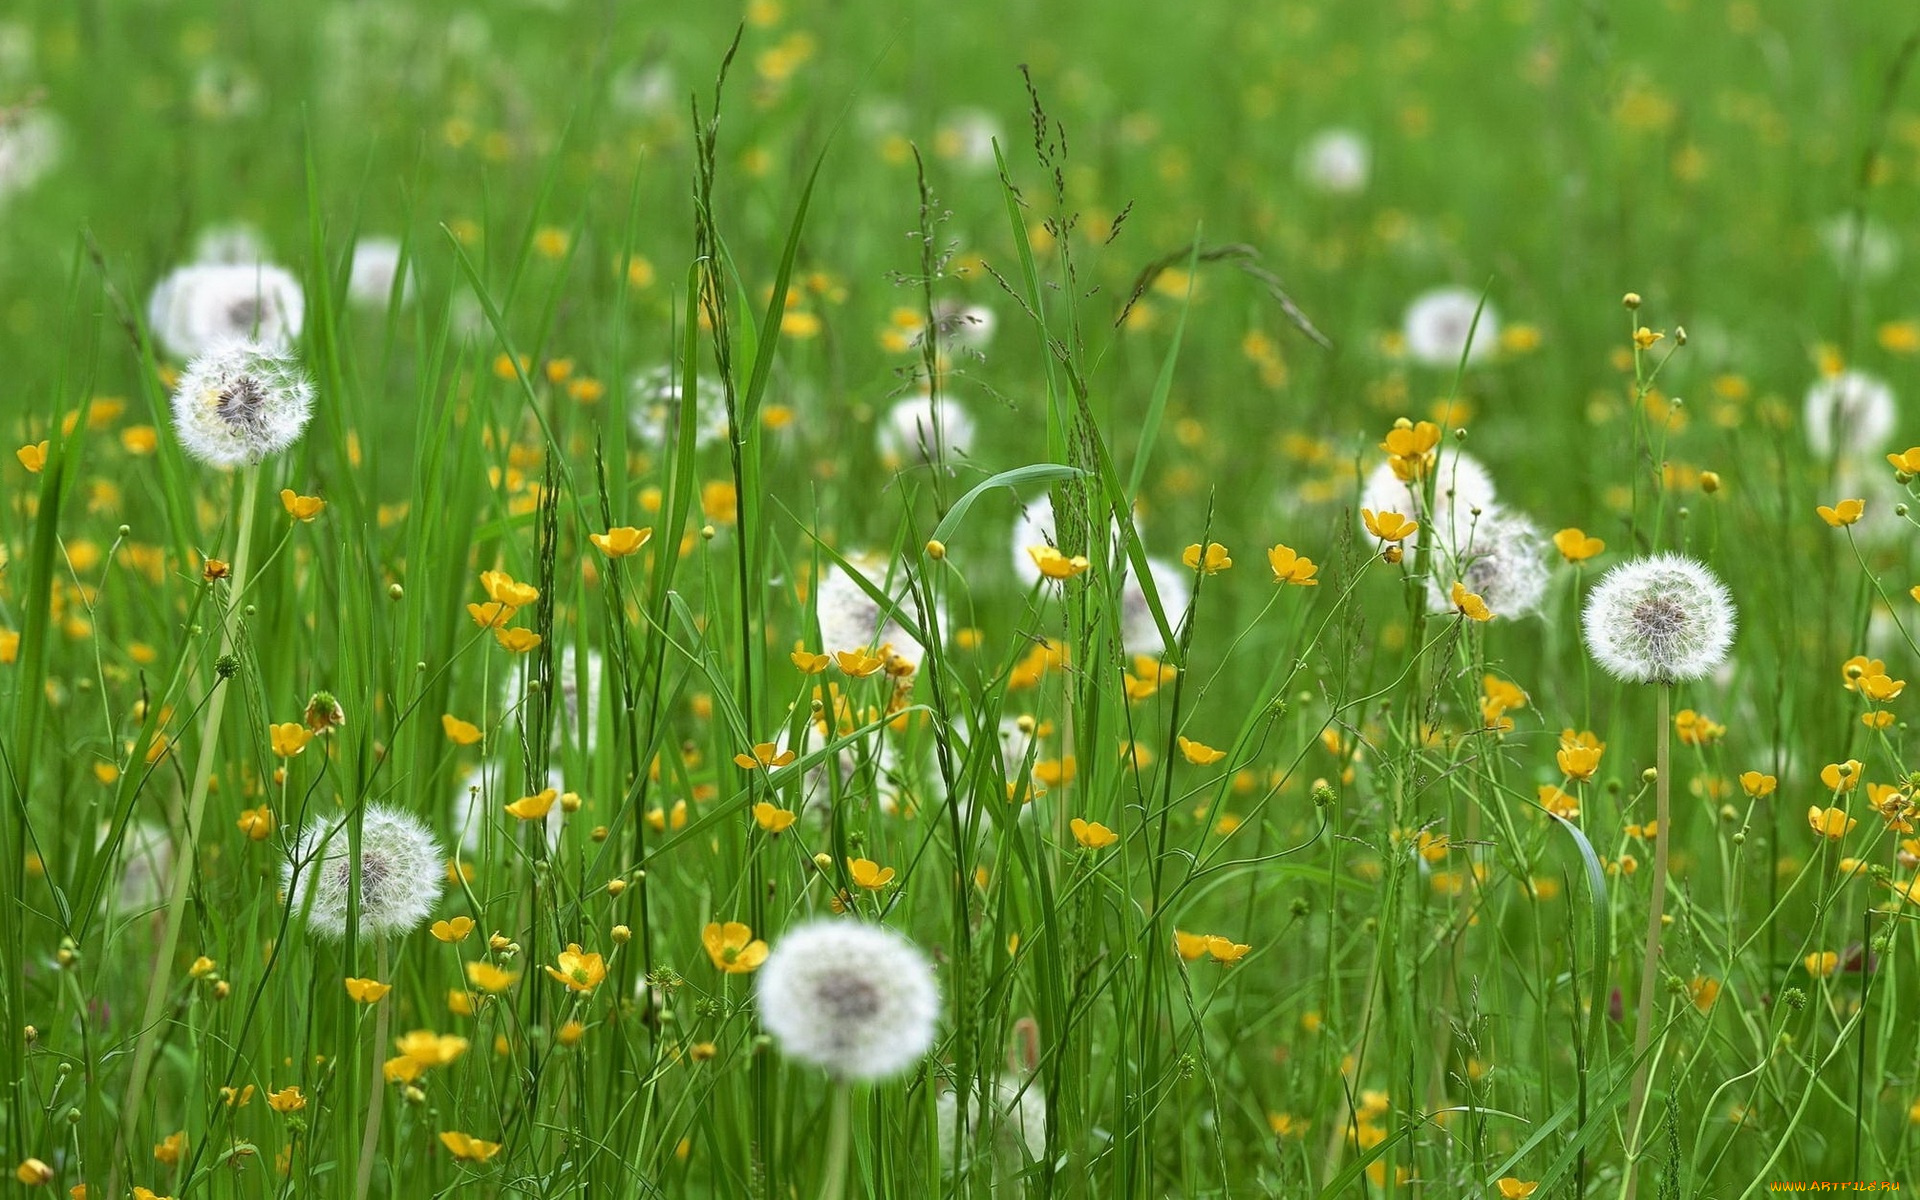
column 1139, row 634
column 401, row 870
column 30, row 145
column 921, row 429
column 655, row 410
column 1337, row 162
column 208, row 306
column 850, row 619
column 1662, row 618
column 376, row 265
column 239, row 403
column 857, row 999
column 1438, row 322
column 1853, row 411
column 1501, row 557
column 1017, row 1120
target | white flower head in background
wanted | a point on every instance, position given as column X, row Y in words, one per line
column 966, row 137
column 921, row 429
column 1461, row 486
column 1853, row 411
column 1337, row 162
column 146, row 872
column 1662, row 618
column 857, row 999
column 30, row 144
column 237, row 404
column 654, row 407
column 204, row 306
column 234, row 243
column 1438, row 323
column 1500, row 557
column 401, row 869
column 1139, row 633
column 850, row 619
column 1846, row 236
column 376, row 265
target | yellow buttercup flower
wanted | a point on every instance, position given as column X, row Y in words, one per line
column 491, row 616
column 1576, row 546
column 1226, row 950
column 168, row 1152
column 518, row 641
column 288, row 1099
column 1844, row 513
column 1289, row 567
column 1211, row 560
column 301, row 508
column 869, row 874
column 534, row 807
column 466, row 1148
column 580, row 971
column 503, row 589
column 367, row 991
column 1758, row 785
column 460, row 733
column 1190, row 946
column 1841, row 777
column 257, row 823
column 621, row 541
column 773, row 818
column 858, row 663
column 765, row 756
column 1055, row 565
column 1091, row 834
column 1830, row 823
column 1821, row 963
column 1511, row 1187
column 289, row 739
column 455, row 930
column 33, row 456
column 489, row 978
column 808, row 662
column 1469, row 605
column 1389, row 526
column 733, row 948
column 1198, row 753
column 1579, row 754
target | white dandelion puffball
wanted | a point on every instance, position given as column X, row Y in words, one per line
column 857, row 999
column 1437, row 325
column 1845, row 236
column 1139, row 634
column 1017, row 1122
column 968, row 325
column 850, row 619
column 1852, row 410
column 1662, row 618
column 146, row 865
column 966, row 137
column 921, row 429
column 577, row 716
column 205, row 306
column 29, row 149
column 401, row 869
column 376, row 265
column 654, row 407
column 235, row 243
column 240, row 403
column 481, row 802
column 1460, row 486
column 1336, row 162
column 1500, row 557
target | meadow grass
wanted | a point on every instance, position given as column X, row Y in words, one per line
column 1248, row 859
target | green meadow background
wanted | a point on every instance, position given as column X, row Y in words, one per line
column 1401, row 1023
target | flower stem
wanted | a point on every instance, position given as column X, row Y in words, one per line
column 1650, row 961
column 839, row 1134
column 183, row 874
column 370, row 1140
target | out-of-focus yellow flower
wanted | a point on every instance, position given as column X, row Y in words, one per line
column 534, row 807
column 489, row 978
column 467, row 1148
column 367, row 991
column 765, row 756
column 33, row 456
column 460, row 733
column 1821, row 963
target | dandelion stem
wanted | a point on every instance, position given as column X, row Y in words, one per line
column 370, row 1140
column 183, row 875
column 1650, row 962
column 839, row 1134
